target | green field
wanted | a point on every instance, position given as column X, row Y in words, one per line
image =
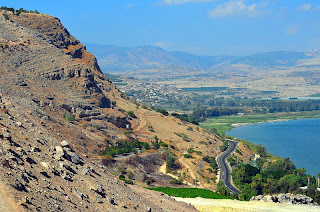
column 190, row 192
column 205, row 89
column 223, row 123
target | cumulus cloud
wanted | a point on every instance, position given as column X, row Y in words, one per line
column 172, row 2
column 305, row 7
column 292, row 30
column 129, row 6
column 238, row 7
column 160, row 44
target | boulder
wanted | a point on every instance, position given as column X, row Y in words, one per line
column 285, row 199
column 45, row 165
column 64, row 143
column 7, row 136
column 73, row 157
column 59, row 153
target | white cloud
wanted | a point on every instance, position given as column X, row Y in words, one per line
column 238, row 7
column 305, row 7
column 129, row 6
column 160, row 44
column 172, row 2
column 292, row 30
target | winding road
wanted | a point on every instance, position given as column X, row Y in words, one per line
column 225, row 169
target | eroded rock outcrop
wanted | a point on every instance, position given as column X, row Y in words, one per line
column 285, row 199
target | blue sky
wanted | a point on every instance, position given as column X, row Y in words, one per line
column 203, row 27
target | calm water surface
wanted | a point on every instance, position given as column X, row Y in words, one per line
column 298, row 140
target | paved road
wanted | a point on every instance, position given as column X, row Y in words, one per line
column 225, row 172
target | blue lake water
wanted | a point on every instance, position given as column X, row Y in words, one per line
column 298, row 140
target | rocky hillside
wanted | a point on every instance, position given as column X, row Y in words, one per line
column 58, row 111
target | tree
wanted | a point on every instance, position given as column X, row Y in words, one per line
column 257, row 184
column 221, row 189
column 131, row 113
column 261, row 150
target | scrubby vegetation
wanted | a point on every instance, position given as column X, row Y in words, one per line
column 183, row 136
column 191, row 150
column 211, row 161
column 266, row 177
column 123, row 146
column 170, row 161
column 162, row 111
column 131, row 113
column 190, row 192
column 19, row 11
column 224, row 146
column 69, row 117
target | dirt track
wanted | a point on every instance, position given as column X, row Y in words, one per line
column 208, row 205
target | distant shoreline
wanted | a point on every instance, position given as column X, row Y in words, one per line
column 285, row 150
column 269, row 121
column 261, row 122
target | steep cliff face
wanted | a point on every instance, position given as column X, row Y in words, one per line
column 39, row 83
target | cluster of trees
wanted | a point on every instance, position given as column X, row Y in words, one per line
column 122, row 147
column 171, row 161
column 211, row 161
column 265, row 177
column 226, row 107
column 282, row 105
column 202, row 112
column 19, row 11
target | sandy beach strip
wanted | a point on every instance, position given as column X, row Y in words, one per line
column 227, row 205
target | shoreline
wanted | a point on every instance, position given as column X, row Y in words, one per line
column 235, row 125
column 274, row 155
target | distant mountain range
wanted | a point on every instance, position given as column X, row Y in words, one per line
column 116, row 58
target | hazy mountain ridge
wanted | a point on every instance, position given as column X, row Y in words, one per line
column 118, row 58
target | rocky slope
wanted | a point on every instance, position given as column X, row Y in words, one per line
column 57, row 110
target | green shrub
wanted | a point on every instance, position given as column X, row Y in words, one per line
column 162, row 144
column 162, row 111
column 68, row 117
column 176, row 181
column 211, row 161
column 203, row 142
column 131, row 113
column 210, row 170
column 224, row 146
column 128, row 132
column 150, row 128
column 148, row 181
column 98, row 126
column 170, row 161
column 5, row 16
column 123, row 146
column 187, row 156
column 190, row 128
column 238, row 151
column 85, row 125
column 130, row 175
column 191, row 150
column 122, row 177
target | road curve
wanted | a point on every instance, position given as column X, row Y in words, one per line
column 225, row 172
